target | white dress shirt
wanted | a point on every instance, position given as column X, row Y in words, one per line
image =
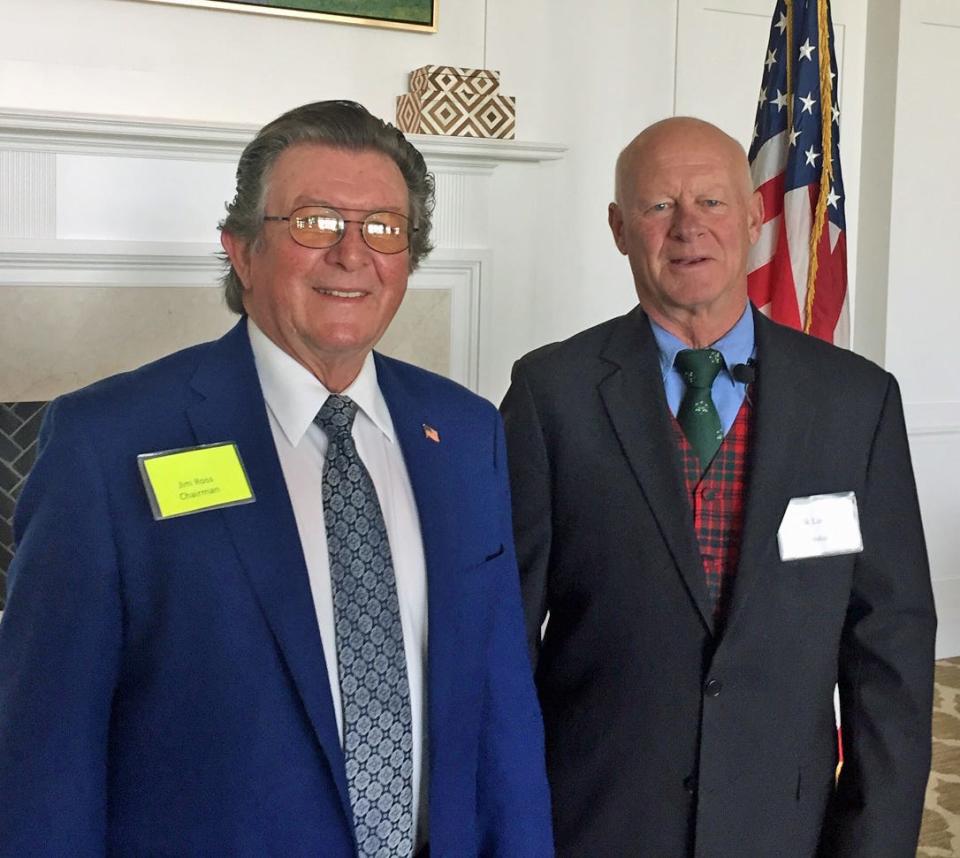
column 294, row 396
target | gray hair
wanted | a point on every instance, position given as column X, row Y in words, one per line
column 343, row 125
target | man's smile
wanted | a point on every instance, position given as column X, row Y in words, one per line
column 340, row 293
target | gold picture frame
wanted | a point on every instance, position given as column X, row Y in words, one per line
column 368, row 13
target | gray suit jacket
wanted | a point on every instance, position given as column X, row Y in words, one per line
column 642, row 760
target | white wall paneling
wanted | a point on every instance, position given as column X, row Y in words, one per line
column 879, row 120
column 462, row 273
column 721, row 46
column 946, row 592
column 27, row 194
column 934, row 429
column 591, row 76
column 923, row 303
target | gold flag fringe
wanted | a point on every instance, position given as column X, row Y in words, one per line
column 826, row 143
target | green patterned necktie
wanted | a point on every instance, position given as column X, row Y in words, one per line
column 697, row 414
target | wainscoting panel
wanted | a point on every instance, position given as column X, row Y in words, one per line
column 934, row 430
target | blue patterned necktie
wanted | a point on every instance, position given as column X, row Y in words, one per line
column 697, row 414
column 375, row 695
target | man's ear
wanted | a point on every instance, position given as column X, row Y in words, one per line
column 238, row 252
column 754, row 216
column 615, row 219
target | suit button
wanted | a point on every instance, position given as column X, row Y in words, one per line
column 713, row 688
column 690, row 784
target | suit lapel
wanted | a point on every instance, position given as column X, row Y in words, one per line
column 780, row 443
column 265, row 532
column 428, row 465
column 636, row 405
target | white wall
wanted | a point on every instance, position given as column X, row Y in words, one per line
column 923, row 299
column 588, row 76
column 177, row 62
column 590, row 81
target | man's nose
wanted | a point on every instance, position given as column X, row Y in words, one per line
column 351, row 251
column 687, row 223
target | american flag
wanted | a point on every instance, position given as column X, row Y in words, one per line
column 798, row 268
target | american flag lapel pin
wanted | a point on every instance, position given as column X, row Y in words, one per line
column 431, row 434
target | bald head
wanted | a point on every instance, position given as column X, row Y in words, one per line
column 686, row 215
column 679, row 131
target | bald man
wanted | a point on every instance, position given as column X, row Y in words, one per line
column 716, row 517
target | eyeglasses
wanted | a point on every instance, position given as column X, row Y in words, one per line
column 322, row 226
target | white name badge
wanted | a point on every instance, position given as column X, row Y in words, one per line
column 820, row 526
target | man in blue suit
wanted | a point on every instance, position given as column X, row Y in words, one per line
column 294, row 626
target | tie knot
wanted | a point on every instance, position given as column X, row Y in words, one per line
column 336, row 415
column 699, row 367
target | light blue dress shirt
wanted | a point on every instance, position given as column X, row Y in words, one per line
column 736, row 346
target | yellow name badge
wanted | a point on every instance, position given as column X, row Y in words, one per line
column 194, row 479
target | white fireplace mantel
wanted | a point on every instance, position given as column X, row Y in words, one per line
column 94, row 134
column 118, row 202
column 75, row 185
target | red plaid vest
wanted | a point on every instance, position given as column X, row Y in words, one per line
column 718, row 499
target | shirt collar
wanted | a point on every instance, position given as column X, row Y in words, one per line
column 736, row 345
column 294, row 395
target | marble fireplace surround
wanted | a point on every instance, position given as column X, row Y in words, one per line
column 104, row 221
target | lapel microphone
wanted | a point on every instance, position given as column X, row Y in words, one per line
column 745, row 373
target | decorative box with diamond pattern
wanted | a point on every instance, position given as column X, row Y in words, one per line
column 459, row 102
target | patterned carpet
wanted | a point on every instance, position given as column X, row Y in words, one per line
column 940, row 833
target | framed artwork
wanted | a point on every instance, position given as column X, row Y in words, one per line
column 419, row 15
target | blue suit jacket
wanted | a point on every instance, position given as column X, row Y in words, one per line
column 163, row 689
